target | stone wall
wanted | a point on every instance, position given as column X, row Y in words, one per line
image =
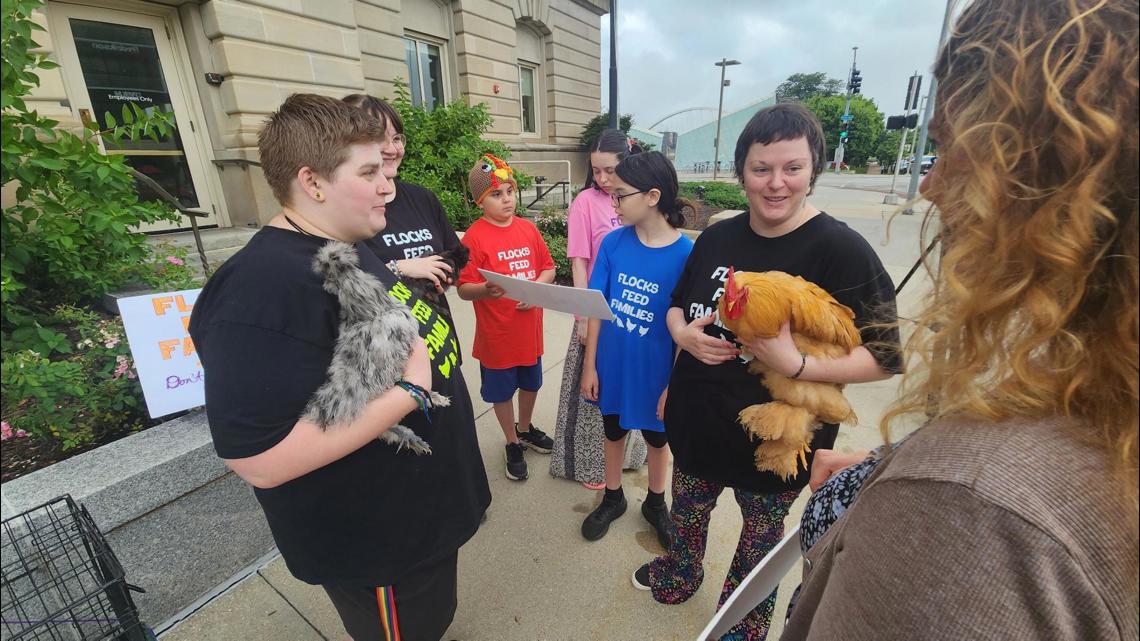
column 180, row 522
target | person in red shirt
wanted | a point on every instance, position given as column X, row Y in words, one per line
column 508, row 334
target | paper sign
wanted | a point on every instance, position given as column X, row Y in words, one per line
column 756, row 587
column 571, row 300
column 165, row 358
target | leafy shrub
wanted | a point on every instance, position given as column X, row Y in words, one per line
column 715, row 194
column 551, row 223
column 72, row 234
column 442, row 146
column 71, row 379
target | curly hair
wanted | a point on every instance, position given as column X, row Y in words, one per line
column 1033, row 312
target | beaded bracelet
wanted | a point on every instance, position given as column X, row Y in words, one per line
column 395, row 267
column 420, row 395
column 803, row 364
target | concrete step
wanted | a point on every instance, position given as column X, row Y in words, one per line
column 212, row 239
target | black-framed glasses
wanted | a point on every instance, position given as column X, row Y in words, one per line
column 616, row 199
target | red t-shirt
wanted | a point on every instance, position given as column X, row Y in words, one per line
column 504, row 336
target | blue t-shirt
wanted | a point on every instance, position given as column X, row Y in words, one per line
column 635, row 350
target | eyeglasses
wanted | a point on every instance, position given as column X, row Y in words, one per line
column 616, row 199
column 398, row 140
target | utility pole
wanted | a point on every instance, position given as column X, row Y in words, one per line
column 724, row 62
column 920, row 147
column 912, row 90
column 846, row 110
column 613, row 66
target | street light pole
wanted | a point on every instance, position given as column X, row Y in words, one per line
column 613, row 66
column 724, row 62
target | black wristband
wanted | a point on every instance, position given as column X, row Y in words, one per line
column 803, row 364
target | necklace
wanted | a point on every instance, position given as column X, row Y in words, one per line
column 297, row 227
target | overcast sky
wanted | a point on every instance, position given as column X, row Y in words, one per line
column 666, row 51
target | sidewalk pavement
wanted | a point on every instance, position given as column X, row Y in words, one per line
column 528, row 574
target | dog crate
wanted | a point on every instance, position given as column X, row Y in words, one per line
column 61, row 581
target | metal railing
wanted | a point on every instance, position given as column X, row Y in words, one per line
column 193, row 214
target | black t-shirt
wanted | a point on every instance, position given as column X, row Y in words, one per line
column 265, row 330
column 704, row 401
column 417, row 226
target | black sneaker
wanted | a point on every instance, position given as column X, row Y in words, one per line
column 516, row 464
column 641, row 578
column 535, row 439
column 658, row 517
column 598, row 522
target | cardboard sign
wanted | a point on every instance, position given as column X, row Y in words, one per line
column 167, row 364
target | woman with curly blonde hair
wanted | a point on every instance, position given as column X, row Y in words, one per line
column 1012, row 514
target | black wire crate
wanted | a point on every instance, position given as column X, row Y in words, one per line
column 60, row 580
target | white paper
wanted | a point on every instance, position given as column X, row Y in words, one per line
column 571, row 300
column 756, row 587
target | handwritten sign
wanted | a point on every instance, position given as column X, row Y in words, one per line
column 158, row 332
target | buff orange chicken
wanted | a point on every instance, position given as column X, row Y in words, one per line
column 757, row 304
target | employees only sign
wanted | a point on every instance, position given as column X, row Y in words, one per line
column 168, row 367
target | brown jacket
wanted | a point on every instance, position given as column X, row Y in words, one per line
column 978, row 531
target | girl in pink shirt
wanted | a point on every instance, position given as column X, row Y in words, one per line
column 578, row 432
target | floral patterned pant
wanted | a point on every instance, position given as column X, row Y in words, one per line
column 676, row 576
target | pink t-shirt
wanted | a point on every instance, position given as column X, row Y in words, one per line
column 591, row 217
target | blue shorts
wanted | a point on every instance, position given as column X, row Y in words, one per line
column 499, row 385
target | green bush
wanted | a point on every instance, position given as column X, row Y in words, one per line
column 716, row 194
column 442, row 145
column 74, row 398
column 72, row 234
column 557, row 247
column 551, row 223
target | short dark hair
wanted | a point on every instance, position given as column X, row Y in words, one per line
column 377, row 108
column 652, row 170
column 312, row 131
column 783, row 121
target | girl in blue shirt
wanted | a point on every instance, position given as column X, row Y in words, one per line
column 628, row 360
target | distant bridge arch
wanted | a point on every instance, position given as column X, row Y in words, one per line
column 677, row 113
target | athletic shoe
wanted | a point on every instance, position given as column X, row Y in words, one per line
column 535, row 439
column 516, row 464
column 598, row 522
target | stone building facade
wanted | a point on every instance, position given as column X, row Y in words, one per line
column 223, row 65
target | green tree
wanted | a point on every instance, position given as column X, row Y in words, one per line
column 887, row 148
column 868, row 125
column 801, row 86
column 599, row 122
column 442, row 145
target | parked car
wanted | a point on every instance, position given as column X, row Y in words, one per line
column 927, row 163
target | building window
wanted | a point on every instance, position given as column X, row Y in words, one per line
column 425, row 73
column 527, row 95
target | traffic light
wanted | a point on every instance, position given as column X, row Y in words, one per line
column 843, row 136
column 856, row 81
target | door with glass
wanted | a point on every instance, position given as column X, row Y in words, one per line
column 113, row 58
